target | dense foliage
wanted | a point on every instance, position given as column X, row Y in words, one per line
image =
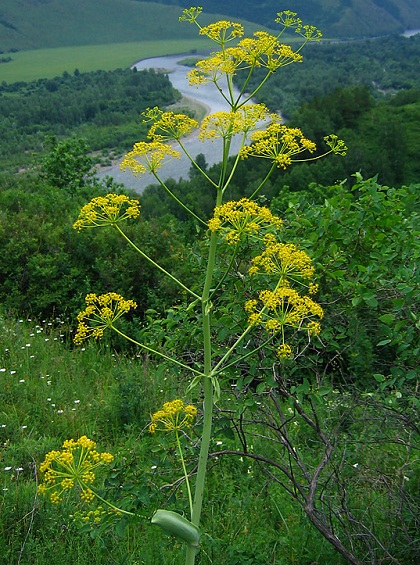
column 46, row 271
column 104, row 107
column 364, row 242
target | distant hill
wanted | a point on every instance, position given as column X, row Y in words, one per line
column 37, row 24
column 34, row 24
column 336, row 18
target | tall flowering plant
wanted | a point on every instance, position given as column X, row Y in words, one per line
column 280, row 296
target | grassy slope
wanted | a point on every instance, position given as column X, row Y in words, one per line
column 57, row 23
column 55, row 36
column 339, row 18
column 48, row 63
column 37, row 24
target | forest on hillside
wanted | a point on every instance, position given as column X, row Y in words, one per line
column 343, row 18
column 367, row 91
column 28, row 25
column 104, row 107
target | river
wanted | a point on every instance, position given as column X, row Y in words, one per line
column 411, row 32
column 206, row 95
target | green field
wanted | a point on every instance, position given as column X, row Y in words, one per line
column 48, row 63
column 43, row 40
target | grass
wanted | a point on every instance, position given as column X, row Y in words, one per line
column 58, row 23
column 49, row 63
column 46, row 39
column 50, row 392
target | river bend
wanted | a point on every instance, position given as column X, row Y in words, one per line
column 207, row 96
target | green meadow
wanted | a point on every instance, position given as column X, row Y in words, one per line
column 48, row 63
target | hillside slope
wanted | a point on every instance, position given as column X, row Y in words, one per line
column 35, row 24
column 336, row 18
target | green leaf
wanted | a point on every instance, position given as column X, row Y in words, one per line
column 387, row 318
column 371, row 301
column 383, row 342
column 379, row 378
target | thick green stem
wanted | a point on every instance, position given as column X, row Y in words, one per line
column 208, row 393
column 202, row 464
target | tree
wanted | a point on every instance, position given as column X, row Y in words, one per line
column 201, row 162
column 68, row 166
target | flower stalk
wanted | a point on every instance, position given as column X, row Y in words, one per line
column 278, row 270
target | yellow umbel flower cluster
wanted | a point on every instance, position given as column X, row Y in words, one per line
column 222, row 31
column 101, row 312
column 107, row 210
column 148, row 157
column 174, row 416
column 94, row 516
column 284, row 260
column 226, row 124
column 168, row 125
column 262, row 50
column 288, row 19
column 278, row 143
column 237, row 219
column 72, row 466
column 284, row 308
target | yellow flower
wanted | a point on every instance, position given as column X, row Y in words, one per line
column 262, row 50
column 284, row 351
column 289, row 19
column 148, row 157
column 314, row 328
column 337, row 146
column 211, row 69
column 93, row 516
column 285, row 261
column 227, row 124
column 222, row 31
column 173, row 416
column 74, row 466
column 242, row 218
column 101, row 312
column 168, row 125
column 283, row 308
column 278, row 143
column 107, row 210
column 190, row 15
column 313, row 288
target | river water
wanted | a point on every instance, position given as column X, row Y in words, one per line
column 206, row 95
column 411, row 32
